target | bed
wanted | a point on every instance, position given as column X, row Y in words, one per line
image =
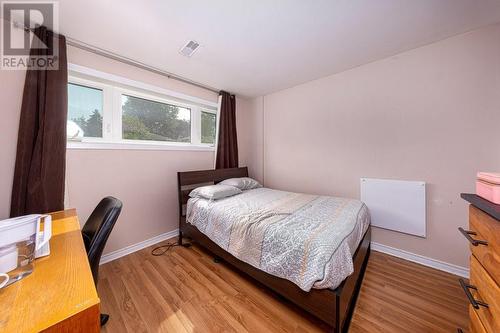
column 318, row 278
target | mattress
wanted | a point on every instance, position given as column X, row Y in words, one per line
column 306, row 239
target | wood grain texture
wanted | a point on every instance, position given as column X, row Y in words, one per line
column 63, row 214
column 487, row 292
column 475, row 323
column 185, row 291
column 331, row 306
column 60, row 290
column 82, row 322
column 488, row 229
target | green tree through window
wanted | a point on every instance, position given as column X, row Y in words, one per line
column 208, row 127
column 92, row 126
column 85, row 109
column 148, row 120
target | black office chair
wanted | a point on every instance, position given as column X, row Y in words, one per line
column 95, row 234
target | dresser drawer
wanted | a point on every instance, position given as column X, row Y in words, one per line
column 488, row 292
column 475, row 323
column 486, row 228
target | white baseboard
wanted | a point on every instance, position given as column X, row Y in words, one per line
column 138, row 246
column 429, row 262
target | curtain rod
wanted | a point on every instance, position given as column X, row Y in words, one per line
column 114, row 56
column 111, row 55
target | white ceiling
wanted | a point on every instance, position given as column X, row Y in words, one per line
column 256, row 47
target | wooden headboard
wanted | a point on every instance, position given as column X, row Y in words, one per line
column 189, row 180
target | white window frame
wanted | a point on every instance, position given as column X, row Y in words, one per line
column 113, row 87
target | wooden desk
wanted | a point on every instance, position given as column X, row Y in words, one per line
column 59, row 296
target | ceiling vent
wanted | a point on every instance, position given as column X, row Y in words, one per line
column 190, row 47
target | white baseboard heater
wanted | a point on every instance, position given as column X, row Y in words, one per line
column 397, row 205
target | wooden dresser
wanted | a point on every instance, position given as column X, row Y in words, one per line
column 483, row 289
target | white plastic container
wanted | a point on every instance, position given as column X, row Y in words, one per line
column 18, row 243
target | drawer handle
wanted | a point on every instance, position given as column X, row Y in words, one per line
column 468, row 233
column 459, row 330
column 474, row 302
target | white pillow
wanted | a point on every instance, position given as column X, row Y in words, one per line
column 214, row 192
column 243, row 183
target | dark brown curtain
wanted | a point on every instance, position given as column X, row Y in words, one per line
column 41, row 144
column 227, row 147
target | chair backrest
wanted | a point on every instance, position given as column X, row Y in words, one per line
column 97, row 229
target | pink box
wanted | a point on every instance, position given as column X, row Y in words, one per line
column 488, row 186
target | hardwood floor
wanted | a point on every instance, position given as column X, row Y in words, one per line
column 185, row 291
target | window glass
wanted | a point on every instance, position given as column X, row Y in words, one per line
column 208, row 125
column 84, row 112
column 144, row 119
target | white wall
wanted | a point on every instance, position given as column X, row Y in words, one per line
column 429, row 114
column 11, row 94
column 249, row 123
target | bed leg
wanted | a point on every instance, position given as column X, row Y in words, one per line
column 217, row 259
column 186, row 245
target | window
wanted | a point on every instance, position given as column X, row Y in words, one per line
column 143, row 119
column 208, row 126
column 85, row 111
column 112, row 112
